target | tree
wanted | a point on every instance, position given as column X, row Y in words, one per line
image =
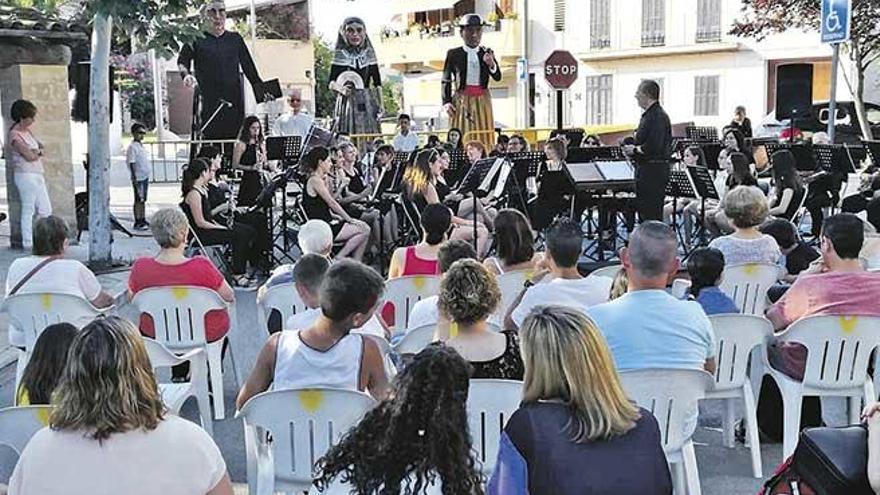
column 765, row 17
column 134, row 80
column 325, row 98
column 159, row 24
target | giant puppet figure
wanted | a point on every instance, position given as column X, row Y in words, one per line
column 217, row 59
column 354, row 75
column 469, row 105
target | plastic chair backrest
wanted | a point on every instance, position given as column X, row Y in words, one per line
column 32, row 313
column 510, row 283
column 838, row 349
column 178, row 313
column 19, row 424
column 416, row 339
column 404, row 292
column 160, row 356
column 671, row 396
column 282, row 297
column 304, row 424
column 747, row 285
column 490, row 404
column 735, row 338
column 609, row 271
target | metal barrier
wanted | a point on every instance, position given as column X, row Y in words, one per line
column 167, row 158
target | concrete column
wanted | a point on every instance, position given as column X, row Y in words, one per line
column 46, row 87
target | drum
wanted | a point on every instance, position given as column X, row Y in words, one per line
column 317, row 136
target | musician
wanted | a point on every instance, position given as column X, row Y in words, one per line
column 651, row 152
column 461, row 204
column 357, row 110
column 294, row 122
column 553, row 187
column 217, row 58
column 386, row 179
column 470, row 106
column 355, row 191
column 249, row 155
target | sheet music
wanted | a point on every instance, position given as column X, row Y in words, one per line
column 487, row 181
column 502, row 179
column 616, row 170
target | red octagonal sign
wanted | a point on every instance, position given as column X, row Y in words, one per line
column 561, row 69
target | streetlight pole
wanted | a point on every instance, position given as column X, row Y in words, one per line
column 523, row 66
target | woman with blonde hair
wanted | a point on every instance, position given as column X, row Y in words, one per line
column 110, row 432
column 576, row 431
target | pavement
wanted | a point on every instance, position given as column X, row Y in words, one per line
column 722, row 471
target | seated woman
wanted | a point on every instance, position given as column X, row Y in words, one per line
column 517, row 144
column 469, row 295
column 108, row 411
column 46, row 271
column 463, row 204
column 591, row 141
column 44, row 368
column 552, row 187
column 705, row 266
column 789, row 189
column 747, row 208
column 424, row 415
column 576, row 431
column 421, row 259
column 249, row 156
column 319, row 204
column 514, row 244
column 354, row 191
column 420, row 186
column 453, row 139
column 688, row 209
column 197, row 207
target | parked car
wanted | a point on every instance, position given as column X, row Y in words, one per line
column 846, row 124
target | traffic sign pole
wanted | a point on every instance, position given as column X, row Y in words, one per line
column 832, row 101
column 559, row 112
column 835, row 25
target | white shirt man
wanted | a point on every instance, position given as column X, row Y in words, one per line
column 294, row 122
column 406, row 140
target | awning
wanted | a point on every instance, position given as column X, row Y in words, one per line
column 409, row 6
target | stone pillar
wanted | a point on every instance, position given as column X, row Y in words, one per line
column 46, row 87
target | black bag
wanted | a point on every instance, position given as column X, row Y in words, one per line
column 834, row 461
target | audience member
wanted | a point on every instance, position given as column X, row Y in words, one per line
column 406, row 139
column 421, row 259
column 24, row 155
column 619, row 285
column 647, row 327
column 872, row 420
column 424, row 436
column 46, row 271
column 469, row 295
column 705, row 267
column 576, row 428
column 425, row 311
column 139, row 167
column 327, row 354
column 514, row 244
column 840, row 286
column 797, row 255
column 45, row 365
column 314, row 237
column 566, row 286
column 108, row 412
column 747, row 208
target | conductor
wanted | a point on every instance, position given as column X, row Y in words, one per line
column 650, row 152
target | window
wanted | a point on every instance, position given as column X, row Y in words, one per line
column 558, row 15
column 599, row 99
column 706, row 95
column 600, row 24
column 653, row 22
column 708, row 21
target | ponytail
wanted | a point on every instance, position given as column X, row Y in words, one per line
column 191, row 174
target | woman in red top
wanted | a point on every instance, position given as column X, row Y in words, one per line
column 421, row 259
column 171, row 267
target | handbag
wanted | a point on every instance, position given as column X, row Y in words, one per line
column 834, row 460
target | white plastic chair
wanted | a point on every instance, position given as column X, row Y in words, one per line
column 178, row 314
column 19, row 424
column 303, row 425
column 609, row 271
column 672, row 397
column 416, row 339
column 404, row 292
column 747, row 285
column 31, row 313
column 736, row 338
column 175, row 394
column 838, row 351
column 282, row 297
column 490, row 404
column 511, row 284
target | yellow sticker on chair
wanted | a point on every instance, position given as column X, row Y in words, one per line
column 848, row 323
column 46, row 300
column 419, row 282
column 311, row 400
column 42, row 415
column 179, row 293
column 453, row 330
column 750, row 268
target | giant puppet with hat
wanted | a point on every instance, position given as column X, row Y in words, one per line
column 465, row 83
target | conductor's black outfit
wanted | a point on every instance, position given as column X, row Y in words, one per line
column 653, row 147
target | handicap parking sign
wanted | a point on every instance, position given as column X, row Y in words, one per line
column 836, row 20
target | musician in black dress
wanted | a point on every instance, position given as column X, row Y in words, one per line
column 197, row 206
column 319, row 204
column 553, row 187
column 249, row 156
column 356, row 189
column 651, row 152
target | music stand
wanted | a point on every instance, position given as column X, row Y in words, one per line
column 804, row 159
column 679, row 186
column 702, row 184
column 701, row 133
column 471, row 182
column 873, row 149
column 286, row 149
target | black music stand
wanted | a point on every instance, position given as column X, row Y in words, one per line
column 458, row 166
column 702, row 184
column 873, row 150
column 701, row 133
column 595, row 153
column 804, row 159
column 286, row 149
column 265, row 201
column 525, row 165
column 833, row 158
column 471, row 182
column 679, row 186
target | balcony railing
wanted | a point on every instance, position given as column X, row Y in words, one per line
column 649, row 40
column 709, row 35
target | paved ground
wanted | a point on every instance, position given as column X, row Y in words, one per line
column 722, row 471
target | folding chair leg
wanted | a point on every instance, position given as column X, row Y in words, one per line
column 751, row 411
column 691, row 473
column 215, row 372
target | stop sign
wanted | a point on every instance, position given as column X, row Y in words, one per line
column 561, row 69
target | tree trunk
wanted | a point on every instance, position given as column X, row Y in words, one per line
column 859, row 94
column 99, row 144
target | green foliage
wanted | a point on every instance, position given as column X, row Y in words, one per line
column 134, row 80
column 391, row 98
column 163, row 25
column 325, row 98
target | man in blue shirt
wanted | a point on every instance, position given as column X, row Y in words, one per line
column 647, row 327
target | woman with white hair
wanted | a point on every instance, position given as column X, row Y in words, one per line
column 746, row 207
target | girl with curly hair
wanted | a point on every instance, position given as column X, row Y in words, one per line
column 415, row 440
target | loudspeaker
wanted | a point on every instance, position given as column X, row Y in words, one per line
column 794, row 91
column 81, row 84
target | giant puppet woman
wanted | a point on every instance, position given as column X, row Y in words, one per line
column 354, row 75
